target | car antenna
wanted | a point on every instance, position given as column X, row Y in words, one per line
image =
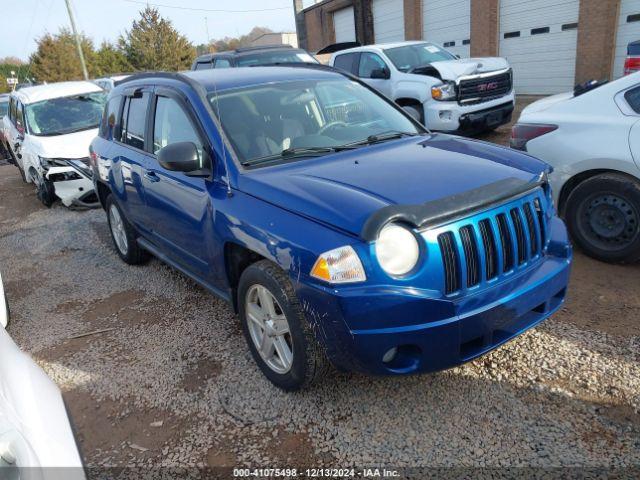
column 224, row 148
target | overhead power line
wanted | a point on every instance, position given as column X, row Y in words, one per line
column 140, row 2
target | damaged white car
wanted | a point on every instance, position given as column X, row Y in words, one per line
column 48, row 131
column 36, row 439
column 433, row 85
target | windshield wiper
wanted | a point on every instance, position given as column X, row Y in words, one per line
column 380, row 137
column 294, row 152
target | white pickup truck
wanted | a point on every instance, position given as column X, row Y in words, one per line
column 436, row 87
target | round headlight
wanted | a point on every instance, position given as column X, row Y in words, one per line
column 397, row 249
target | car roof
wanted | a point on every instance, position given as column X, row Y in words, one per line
column 380, row 46
column 238, row 52
column 231, row 78
column 39, row 93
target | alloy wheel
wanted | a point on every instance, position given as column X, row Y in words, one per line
column 118, row 230
column 269, row 329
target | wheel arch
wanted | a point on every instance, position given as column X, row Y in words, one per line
column 237, row 258
column 103, row 191
column 570, row 185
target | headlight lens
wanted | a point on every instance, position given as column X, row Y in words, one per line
column 397, row 249
column 340, row 265
column 443, row 91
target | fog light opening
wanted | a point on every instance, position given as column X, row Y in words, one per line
column 445, row 115
column 390, row 355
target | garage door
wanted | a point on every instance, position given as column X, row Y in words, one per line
column 447, row 23
column 628, row 31
column 539, row 39
column 388, row 20
column 344, row 25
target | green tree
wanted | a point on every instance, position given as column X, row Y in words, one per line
column 154, row 44
column 56, row 58
column 110, row 60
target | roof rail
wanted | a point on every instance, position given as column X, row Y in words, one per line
column 262, row 47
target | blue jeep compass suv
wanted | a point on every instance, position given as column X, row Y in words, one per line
column 340, row 230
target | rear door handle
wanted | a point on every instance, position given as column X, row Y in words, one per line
column 151, row 176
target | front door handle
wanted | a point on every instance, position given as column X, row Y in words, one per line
column 151, row 176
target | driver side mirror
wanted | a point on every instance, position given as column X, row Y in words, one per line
column 183, row 157
column 381, row 73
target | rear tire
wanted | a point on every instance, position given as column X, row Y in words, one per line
column 123, row 235
column 281, row 312
column 603, row 217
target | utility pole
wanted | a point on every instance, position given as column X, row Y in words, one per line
column 78, row 42
column 206, row 27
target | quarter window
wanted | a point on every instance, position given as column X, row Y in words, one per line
column 172, row 125
column 134, row 119
column 369, row 63
column 109, row 123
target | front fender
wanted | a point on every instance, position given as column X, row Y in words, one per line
column 415, row 86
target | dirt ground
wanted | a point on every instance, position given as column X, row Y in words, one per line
column 161, row 386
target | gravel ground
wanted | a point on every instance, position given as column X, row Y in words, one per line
column 172, row 383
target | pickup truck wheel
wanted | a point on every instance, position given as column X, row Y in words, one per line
column 123, row 235
column 415, row 113
column 278, row 334
column 603, row 217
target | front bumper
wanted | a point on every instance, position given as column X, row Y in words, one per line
column 453, row 117
column 428, row 333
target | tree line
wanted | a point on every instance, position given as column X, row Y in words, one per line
column 152, row 43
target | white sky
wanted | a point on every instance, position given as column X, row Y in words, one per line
column 25, row 20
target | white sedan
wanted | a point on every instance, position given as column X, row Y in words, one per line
column 592, row 141
column 35, row 434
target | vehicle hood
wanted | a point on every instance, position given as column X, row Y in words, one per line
column 344, row 189
column 547, row 102
column 453, row 69
column 73, row 145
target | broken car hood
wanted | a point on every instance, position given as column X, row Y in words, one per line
column 344, row 189
column 453, row 69
column 72, row 145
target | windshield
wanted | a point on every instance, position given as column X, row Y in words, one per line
column 411, row 56
column 278, row 56
column 59, row 116
column 274, row 119
column 4, row 108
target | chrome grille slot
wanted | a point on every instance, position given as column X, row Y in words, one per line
column 468, row 238
column 490, row 251
column 449, row 253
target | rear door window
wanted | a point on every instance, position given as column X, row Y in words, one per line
column 134, row 121
column 222, row 63
column 204, row 66
column 346, row 62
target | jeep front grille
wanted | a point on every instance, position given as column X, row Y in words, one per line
column 493, row 244
column 483, row 88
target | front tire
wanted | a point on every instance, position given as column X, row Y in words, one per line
column 279, row 337
column 123, row 235
column 415, row 112
column 603, row 217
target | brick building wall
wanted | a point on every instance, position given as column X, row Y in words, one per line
column 596, row 31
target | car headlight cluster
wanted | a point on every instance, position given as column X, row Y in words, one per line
column 444, row 91
column 397, row 249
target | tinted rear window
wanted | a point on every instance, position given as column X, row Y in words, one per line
column 204, row 66
column 345, row 62
column 109, row 119
column 633, row 49
column 136, row 116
